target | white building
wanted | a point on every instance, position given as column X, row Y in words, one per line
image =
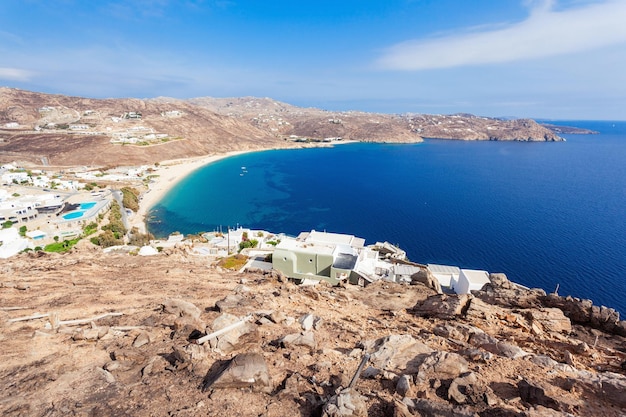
column 11, row 177
column 471, row 280
column 12, row 242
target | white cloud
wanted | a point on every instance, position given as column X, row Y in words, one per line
column 15, row 74
column 544, row 33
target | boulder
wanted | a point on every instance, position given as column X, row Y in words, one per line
column 143, row 338
column 404, row 384
column 507, row 350
column 230, row 302
column 457, row 333
column 550, row 320
column 609, row 386
column 500, row 291
column 535, row 395
column 493, row 345
column 466, row 389
column 426, row 408
column 397, row 353
column 181, row 308
column 614, row 389
column 309, row 321
column 299, row 339
column 443, row 306
column 347, row 402
column 424, row 276
column 442, row 365
column 246, row 370
column 480, row 310
column 227, row 342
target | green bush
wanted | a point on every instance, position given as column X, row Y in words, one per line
column 90, row 229
column 7, row 224
column 140, row 239
column 115, row 220
column 130, row 198
column 248, row 244
column 106, row 239
column 23, row 230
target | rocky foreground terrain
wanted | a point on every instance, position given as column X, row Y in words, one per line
column 504, row 351
column 57, row 130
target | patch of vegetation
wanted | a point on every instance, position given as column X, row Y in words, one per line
column 248, row 244
column 15, row 195
column 234, row 262
column 130, row 198
column 7, row 224
column 107, row 239
column 61, row 247
column 23, row 230
column 139, row 239
column 90, row 229
column 116, row 226
column 197, row 237
column 273, row 242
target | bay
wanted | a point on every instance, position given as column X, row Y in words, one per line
column 543, row 213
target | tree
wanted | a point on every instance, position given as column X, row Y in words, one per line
column 7, row 224
column 23, row 230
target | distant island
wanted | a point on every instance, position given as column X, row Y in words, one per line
column 568, row 130
column 40, row 129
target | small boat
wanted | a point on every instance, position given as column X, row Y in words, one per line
column 243, row 168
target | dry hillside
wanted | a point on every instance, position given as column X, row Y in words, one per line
column 502, row 352
column 47, row 129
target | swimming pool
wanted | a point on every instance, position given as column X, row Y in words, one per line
column 77, row 214
column 74, row 214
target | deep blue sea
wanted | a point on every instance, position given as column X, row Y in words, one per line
column 543, row 213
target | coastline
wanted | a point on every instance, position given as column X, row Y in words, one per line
column 170, row 173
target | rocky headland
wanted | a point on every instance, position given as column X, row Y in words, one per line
column 94, row 334
column 56, row 130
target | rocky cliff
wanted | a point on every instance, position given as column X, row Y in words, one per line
column 384, row 350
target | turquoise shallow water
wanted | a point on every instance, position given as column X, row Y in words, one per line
column 543, row 213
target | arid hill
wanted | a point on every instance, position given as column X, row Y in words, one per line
column 57, row 130
column 505, row 351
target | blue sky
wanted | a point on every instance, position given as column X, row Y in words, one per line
column 562, row 59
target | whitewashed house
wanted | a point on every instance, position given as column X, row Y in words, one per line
column 471, row 280
column 11, row 177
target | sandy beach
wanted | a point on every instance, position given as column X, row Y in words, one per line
column 172, row 171
column 169, row 174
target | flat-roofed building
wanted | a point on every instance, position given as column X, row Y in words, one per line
column 319, row 256
column 471, row 280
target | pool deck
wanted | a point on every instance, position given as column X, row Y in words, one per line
column 87, row 214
